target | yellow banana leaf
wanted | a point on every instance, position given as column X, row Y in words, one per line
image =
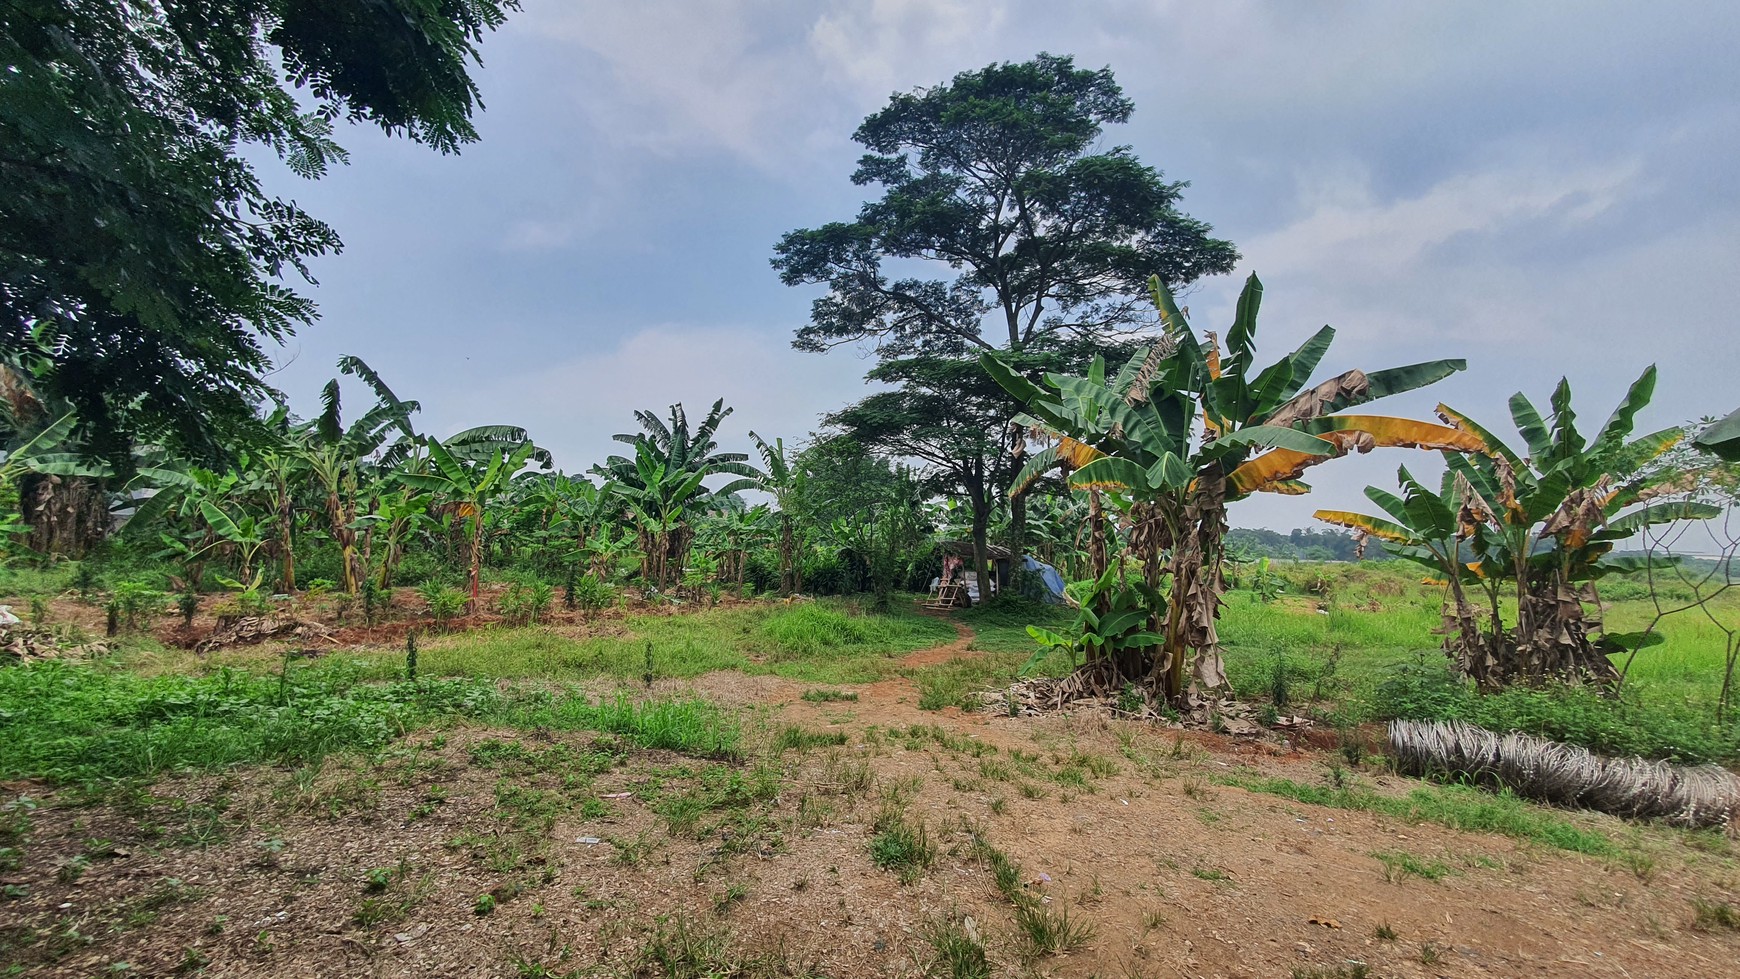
column 1356, row 433
column 1375, row 526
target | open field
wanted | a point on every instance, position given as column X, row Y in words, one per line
column 762, row 789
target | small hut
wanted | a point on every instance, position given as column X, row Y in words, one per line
column 957, row 561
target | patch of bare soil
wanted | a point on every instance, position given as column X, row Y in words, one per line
column 475, row 852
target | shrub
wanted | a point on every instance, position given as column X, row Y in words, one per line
column 444, row 603
column 590, row 594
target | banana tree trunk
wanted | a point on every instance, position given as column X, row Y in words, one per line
column 476, row 559
column 286, row 538
column 67, row 515
column 788, row 571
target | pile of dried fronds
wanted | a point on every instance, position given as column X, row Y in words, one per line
column 1094, row 689
column 1705, row 795
column 25, row 645
column 258, row 628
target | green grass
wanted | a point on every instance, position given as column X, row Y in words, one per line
column 816, row 642
column 1455, row 806
column 75, row 723
column 901, row 846
column 1375, row 656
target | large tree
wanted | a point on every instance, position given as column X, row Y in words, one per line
column 1038, row 243
column 138, row 246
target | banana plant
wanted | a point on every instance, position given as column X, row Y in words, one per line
column 782, row 479
column 1539, row 528
column 662, row 486
column 1135, row 436
column 469, row 492
column 245, row 536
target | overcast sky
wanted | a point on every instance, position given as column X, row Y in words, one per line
column 1544, row 189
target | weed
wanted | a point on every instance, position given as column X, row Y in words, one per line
column 827, row 696
column 793, row 737
column 1458, row 807
column 1385, row 933
column 631, row 852
column 901, row 846
column 732, row 894
column 1051, row 930
column 483, row 905
column 1350, row 970
column 1714, row 916
column 1431, row 953
column 957, row 952
column 1399, row 866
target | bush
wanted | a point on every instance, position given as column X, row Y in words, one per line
column 420, row 566
column 762, row 571
column 590, row 594
column 826, row 574
column 525, row 601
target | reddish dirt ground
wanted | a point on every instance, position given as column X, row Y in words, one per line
column 264, row 872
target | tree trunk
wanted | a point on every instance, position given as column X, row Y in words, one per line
column 981, row 549
column 1017, row 538
column 788, row 571
column 1096, row 549
column 286, row 537
column 476, row 558
column 68, row 515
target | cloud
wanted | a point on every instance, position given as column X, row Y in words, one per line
column 887, row 46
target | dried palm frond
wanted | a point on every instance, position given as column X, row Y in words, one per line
column 1565, row 775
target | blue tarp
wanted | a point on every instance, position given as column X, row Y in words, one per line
column 1048, row 576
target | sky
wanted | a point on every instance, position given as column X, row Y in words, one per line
column 1545, row 189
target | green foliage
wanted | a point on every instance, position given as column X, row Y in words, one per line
column 525, row 602
column 901, row 845
column 134, row 218
column 444, row 604
column 591, row 595
column 1458, row 807
column 958, row 953
column 74, row 723
column 812, row 628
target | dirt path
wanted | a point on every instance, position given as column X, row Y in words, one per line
column 1183, row 875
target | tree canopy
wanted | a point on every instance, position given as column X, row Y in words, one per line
column 142, row 260
column 1032, row 242
column 994, row 175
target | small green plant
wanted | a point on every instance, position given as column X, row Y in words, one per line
column 1267, row 584
column 957, row 953
column 411, row 655
column 484, row 905
column 85, row 580
column 1350, row 970
column 1385, row 933
column 1714, row 915
column 651, row 672
column 901, row 846
column 1131, row 699
column 1400, row 865
column 374, row 600
column 1431, row 953
column 589, row 594
column 187, row 603
column 1050, row 931
column 822, row 696
column 444, row 603
column 796, row 738
column 38, row 610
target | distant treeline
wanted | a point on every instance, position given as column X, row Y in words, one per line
column 1302, row 545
